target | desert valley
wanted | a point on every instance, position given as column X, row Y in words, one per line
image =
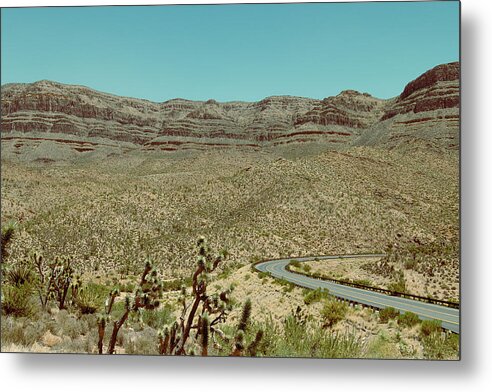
column 97, row 189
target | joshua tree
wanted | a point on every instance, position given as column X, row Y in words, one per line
column 147, row 296
column 204, row 313
column 53, row 279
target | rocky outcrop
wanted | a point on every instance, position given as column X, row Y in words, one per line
column 435, row 89
column 349, row 109
column 83, row 120
column 426, row 112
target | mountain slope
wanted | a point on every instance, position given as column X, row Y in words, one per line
column 51, row 121
column 427, row 111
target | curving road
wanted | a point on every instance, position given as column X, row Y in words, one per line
column 449, row 317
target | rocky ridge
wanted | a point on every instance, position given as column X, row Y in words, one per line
column 47, row 120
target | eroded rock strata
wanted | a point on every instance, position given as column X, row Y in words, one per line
column 50, row 120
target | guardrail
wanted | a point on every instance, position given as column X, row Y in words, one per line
column 378, row 289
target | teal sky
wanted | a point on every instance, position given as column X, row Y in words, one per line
column 230, row 52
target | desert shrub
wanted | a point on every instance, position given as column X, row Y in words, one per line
column 408, row 319
column 76, row 345
column 306, row 268
column 175, row 284
column 295, row 264
column 410, row 264
column 439, row 345
column 157, row 318
column 363, row 282
column 89, row 299
column 68, row 325
column 262, row 275
column 6, row 235
column 399, row 286
column 16, row 301
column 142, row 343
column 228, row 269
column 333, row 312
column 98, row 289
column 22, row 331
column 127, row 287
column 19, row 275
column 302, row 338
column 287, row 286
column 429, row 327
column 387, row 314
column 312, row 296
column 12, row 331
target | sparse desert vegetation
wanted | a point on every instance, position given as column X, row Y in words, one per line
column 95, row 225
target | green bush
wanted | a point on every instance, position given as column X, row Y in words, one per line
column 312, row 296
column 300, row 338
column 175, row 284
column 263, row 275
column 410, row 264
column 429, row 327
column 288, row 286
column 90, row 299
column 157, row 318
column 126, row 287
column 388, row 313
column 363, row 282
column 306, row 268
column 440, row 345
column 16, row 301
column 408, row 319
column 6, row 235
column 295, row 264
column 19, row 274
column 400, row 285
column 333, row 312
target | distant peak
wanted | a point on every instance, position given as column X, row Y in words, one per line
column 440, row 73
column 354, row 93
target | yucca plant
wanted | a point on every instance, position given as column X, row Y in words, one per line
column 87, row 301
column 6, row 236
column 16, row 301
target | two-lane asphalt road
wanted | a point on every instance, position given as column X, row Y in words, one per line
column 448, row 316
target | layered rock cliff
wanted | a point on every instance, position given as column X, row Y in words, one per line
column 49, row 120
column 427, row 111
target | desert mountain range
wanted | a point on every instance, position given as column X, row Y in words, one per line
column 47, row 120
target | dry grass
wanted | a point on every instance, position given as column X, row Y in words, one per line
column 111, row 215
